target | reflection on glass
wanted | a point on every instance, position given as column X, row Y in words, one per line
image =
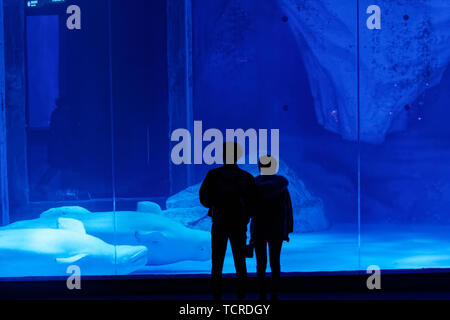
column 59, row 157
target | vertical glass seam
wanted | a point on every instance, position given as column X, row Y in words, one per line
column 4, row 192
column 188, row 75
column 111, row 110
column 358, row 116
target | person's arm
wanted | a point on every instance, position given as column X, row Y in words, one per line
column 252, row 197
column 289, row 213
column 206, row 192
column 252, row 232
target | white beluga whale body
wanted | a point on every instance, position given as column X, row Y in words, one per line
column 49, row 251
column 167, row 240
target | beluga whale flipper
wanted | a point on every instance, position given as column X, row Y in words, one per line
column 48, row 252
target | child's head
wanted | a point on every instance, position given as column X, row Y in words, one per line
column 267, row 165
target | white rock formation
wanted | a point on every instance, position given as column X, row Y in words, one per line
column 309, row 213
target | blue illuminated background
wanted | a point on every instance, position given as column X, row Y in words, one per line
column 363, row 118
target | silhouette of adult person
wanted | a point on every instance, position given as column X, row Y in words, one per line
column 59, row 130
column 230, row 194
column 63, row 152
column 272, row 224
column 59, row 147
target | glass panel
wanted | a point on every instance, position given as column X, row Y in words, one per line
column 141, row 126
column 58, row 141
column 96, row 109
column 405, row 136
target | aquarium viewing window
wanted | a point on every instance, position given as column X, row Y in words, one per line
column 114, row 111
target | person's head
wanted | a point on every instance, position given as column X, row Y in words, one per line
column 61, row 102
column 231, row 152
column 66, row 102
column 267, row 165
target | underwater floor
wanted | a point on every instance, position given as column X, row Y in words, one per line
column 387, row 246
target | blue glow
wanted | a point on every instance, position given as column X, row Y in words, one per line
column 362, row 115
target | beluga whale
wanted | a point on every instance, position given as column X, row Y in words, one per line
column 50, row 251
column 167, row 240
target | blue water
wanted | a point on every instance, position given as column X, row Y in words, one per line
column 362, row 116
